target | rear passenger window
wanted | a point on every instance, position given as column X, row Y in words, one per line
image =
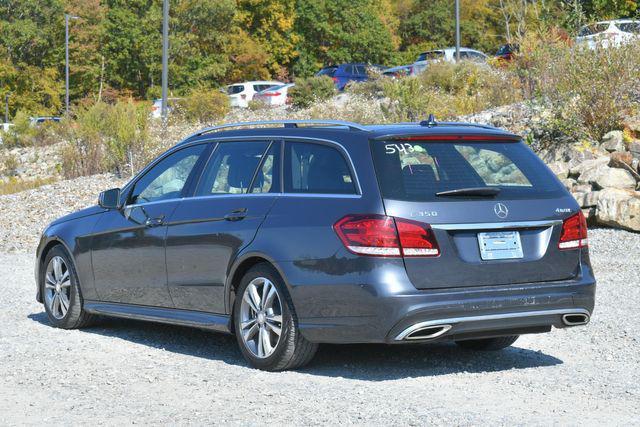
column 316, row 168
column 231, row 168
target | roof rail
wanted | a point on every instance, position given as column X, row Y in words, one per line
column 285, row 123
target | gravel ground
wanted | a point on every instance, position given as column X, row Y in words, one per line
column 24, row 215
column 124, row 371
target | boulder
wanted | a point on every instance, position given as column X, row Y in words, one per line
column 587, row 200
column 586, row 165
column 634, row 148
column 624, row 160
column 560, row 169
column 613, row 141
column 619, row 208
column 582, row 188
column 605, row 177
column 569, row 184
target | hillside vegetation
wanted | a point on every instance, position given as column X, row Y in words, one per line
column 115, row 45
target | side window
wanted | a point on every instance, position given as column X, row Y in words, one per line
column 231, row 168
column 268, row 175
column 316, row 168
column 167, row 178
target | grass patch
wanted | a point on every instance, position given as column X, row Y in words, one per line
column 16, row 185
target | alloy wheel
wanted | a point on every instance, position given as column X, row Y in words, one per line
column 57, row 287
column 261, row 317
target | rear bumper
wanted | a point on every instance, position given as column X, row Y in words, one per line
column 383, row 312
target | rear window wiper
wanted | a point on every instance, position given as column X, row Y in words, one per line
column 471, row 191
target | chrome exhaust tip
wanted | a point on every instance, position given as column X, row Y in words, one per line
column 575, row 319
column 423, row 332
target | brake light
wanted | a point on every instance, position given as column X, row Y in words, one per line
column 416, row 238
column 381, row 235
column 335, row 79
column 574, row 232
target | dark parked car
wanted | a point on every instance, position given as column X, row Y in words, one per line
column 345, row 73
column 329, row 232
column 507, row 51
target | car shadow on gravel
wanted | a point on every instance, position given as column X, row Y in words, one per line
column 371, row 362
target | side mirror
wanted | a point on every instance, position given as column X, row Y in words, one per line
column 109, row 199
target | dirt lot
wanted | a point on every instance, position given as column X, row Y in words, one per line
column 124, row 372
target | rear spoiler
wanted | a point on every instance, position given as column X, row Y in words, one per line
column 450, row 137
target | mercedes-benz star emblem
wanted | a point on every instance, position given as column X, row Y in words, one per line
column 501, row 210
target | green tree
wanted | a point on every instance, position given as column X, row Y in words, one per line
column 271, row 25
column 340, row 31
column 132, row 44
column 431, row 24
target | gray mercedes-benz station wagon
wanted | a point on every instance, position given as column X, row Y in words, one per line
column 295, row 233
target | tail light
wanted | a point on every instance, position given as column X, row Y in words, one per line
column 335, row 80
column 574, row 232
column 382, row 235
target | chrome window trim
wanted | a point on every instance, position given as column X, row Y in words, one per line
column 499, row 316
column 236, row 195
column 497, row 225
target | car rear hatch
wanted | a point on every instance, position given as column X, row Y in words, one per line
column 495, row 209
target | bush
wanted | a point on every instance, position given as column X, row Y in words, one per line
column 310, row 90
column 445, row 90
column 106, row 138
column 204, row 106
column 8, row 164
column 587, row 90
column 25, row 134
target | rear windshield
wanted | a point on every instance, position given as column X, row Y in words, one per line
column 416, row 171
column 430, row 56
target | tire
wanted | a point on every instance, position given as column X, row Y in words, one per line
column 488, row 344
column 291, row 350
column 74, row 316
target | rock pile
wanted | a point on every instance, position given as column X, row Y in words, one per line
column 604, row 179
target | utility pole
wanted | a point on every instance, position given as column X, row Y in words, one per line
column 67, row 17
column 6, row 108
column 165, row 59
column 457, row 30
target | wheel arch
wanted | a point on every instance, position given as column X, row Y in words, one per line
column 42, row 255
column 238, row 270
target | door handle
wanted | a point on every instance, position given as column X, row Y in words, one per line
column 236, row 214
column 154, row 222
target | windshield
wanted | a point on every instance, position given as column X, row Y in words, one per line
column 630, row 27
column 589, row 30
column 328, row 71
column 416, row 171
column 231, row 90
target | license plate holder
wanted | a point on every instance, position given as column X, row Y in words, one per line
column 500, row 245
